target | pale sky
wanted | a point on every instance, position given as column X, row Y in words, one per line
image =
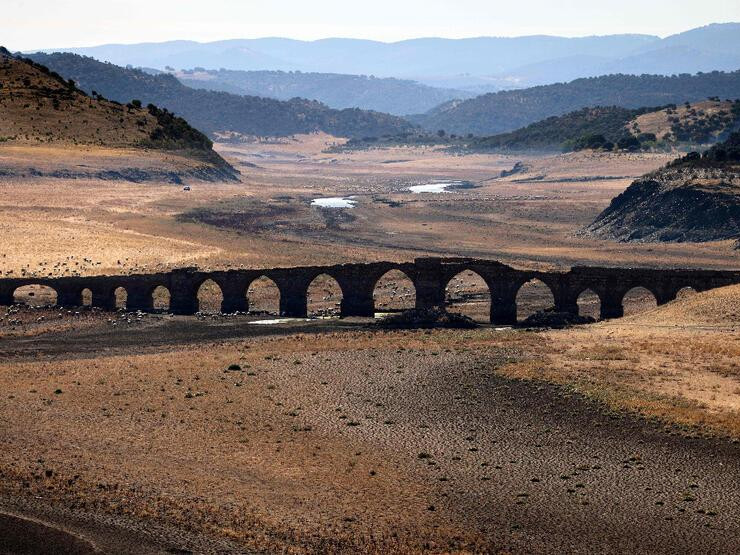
column 36, row 24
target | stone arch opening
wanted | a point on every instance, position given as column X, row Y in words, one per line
column 638, row 299
column 161, row 298
column 394, row 292
column 120, row 298
column 533, row 297
column 263, row 296
column 35, row 295
column 589, row 304
column 86, row 297
column 210, row 297
column 468, row 293
column 324, row 297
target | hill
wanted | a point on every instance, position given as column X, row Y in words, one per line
column 339, row 91
column 504, row 111
column 589, row 127
column 695, row 198
column 602, row 128
column 213, row 112
column 612, row 127
column 38, row 106
column 479, row 64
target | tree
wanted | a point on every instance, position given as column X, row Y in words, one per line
column 628, row 143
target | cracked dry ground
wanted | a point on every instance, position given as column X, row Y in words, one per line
column 347, row 441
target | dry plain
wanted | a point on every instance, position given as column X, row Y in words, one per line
column 131, row 431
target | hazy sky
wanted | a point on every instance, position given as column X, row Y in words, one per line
column 33, row 24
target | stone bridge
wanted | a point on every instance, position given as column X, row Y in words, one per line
column 430, row 277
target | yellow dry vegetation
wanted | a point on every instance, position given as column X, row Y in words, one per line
column 37, row 108
column 679, row 362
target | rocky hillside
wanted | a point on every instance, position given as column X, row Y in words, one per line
column 212, row 111
column 38, row 106
column 695, row 198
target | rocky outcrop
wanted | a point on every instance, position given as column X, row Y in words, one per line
column 674, row 205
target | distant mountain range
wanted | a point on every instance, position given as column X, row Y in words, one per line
column 476, row 64
column 394, row 96
column 495, row 113
column 213, row 112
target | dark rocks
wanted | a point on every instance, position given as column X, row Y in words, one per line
column 426, row 319
column 553, row 319
column 695, row 198
column 676, row 205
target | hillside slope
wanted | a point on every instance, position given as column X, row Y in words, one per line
column 696, row 198
column 504, row 111
column 38, row 107
column 213, row 112
column 611, row 127
column 338, row 91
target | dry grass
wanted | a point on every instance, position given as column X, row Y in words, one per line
column 36, row 108
column 658, row 123
column 679, row 362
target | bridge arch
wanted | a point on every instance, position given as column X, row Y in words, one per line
column 36, row 295
column 86, row 297
column 394, row 291
column 210, row 296
column 160, row 298
column 324, row 296
column 589, row 303
column 263, row 296
column 638, row 299
column 534, row 295
column 468, row 293
column 120, row 298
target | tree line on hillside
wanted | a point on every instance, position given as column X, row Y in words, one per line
column 394, row 96
column 505, row 111
column 212, row 111
column 599, row 128
column 722, row 154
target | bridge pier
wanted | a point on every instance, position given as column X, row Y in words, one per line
column 294, row 305
column 235, row 297
column 6, row 296
column 503, row 303
column 611, row 305
column 139, row 299
column 358, row 302
column 565, row 296
column 183, row 302
column 103, row 299
column 69, row 296
column 430, row 284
